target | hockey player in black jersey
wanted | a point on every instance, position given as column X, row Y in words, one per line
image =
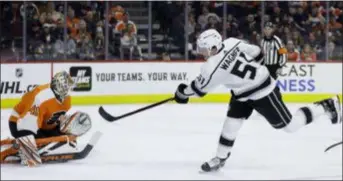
column 237, row 65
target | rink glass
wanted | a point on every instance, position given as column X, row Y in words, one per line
column 166, row 31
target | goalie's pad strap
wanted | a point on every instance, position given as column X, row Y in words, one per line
column 64, row 138
column 6, row 142
column 6, row 153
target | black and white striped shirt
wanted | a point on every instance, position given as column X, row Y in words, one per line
column 275, row 52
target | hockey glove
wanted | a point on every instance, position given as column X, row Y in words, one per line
column 76, row 124
column 180, row 96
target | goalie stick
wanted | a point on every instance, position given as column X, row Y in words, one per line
column 60, row 158
column 104, row 114
column 332, row 146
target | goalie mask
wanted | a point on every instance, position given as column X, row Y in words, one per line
column 61, row 84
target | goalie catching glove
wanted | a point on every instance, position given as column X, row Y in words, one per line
column 76, row 124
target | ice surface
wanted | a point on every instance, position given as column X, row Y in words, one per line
column 172, row 141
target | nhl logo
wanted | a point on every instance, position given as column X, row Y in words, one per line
column 18, row 72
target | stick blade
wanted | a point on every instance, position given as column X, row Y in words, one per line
column 106, row 115
column 332, row 146
column 95, row 138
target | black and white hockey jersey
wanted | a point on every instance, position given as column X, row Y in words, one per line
column 238, row 67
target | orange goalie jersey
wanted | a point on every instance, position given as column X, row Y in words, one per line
column 41, row 105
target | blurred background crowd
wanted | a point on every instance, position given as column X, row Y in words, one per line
column 162, row 30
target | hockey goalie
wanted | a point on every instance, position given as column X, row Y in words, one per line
column 57, row 132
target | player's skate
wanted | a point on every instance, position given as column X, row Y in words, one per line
column 333, row 107
column 214, row 164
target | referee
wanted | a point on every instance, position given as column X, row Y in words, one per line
column 275, row 53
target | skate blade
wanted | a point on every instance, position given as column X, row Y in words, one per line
column 209, row 172
column 201, row 171
column 217, row 173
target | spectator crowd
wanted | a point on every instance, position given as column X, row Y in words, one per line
column 309, row 30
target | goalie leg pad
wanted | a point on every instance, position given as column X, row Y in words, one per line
column 7, row 150
column 28, row 151
column 46, row 146
column 58, row 147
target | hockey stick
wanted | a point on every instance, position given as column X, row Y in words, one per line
column 332, row 146
column 104, row 114
column 60, row 158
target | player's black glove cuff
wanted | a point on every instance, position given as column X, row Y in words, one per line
column 180, row 96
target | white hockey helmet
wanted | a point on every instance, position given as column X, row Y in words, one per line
column 208, row 40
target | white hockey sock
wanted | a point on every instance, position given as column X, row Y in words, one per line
column 304, row 116
column 228, row 136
